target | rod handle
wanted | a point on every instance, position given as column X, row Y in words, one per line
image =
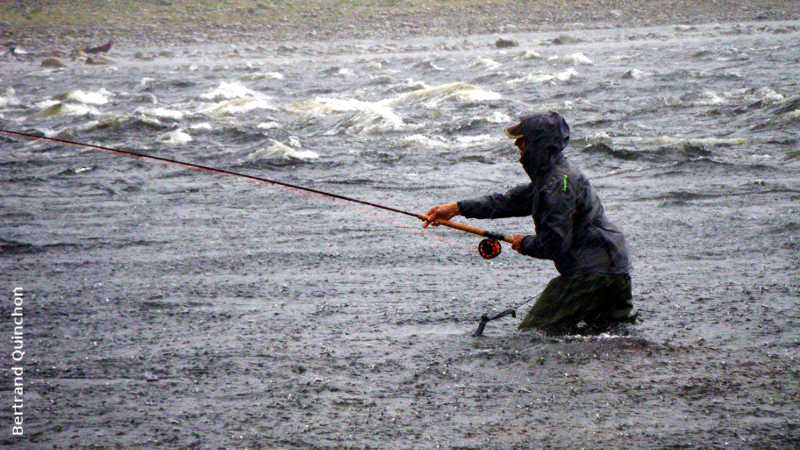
column 468, row 229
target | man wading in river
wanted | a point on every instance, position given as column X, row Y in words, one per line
column 594, row 286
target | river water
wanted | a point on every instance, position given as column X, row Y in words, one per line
column 689, row 134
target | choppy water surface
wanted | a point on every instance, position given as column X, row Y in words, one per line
column 662, row 117
column 352, row 108
column 223, row 313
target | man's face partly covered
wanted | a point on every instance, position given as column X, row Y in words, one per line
column 520, row 143
column 528, row 157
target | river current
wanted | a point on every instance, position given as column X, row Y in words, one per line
column 171, row 308
column 352, row 110
column 664, row 116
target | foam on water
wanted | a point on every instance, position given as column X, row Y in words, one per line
column 235, row 106
column 353, row 116
column 50, row 108
column 544, row 77
column 434, row 97
column 201, row 126
column 574, row 59
column 177, row 137
column 88, row 98
column 486, row 63
column 8, row 98
column 277, row 149
column 73, row 103
column 635, row 74
column 408, row 85
column 481, row 139
column 234, row 98
column 706, row 142
column 269, row 125
column 499, row 117
column 531, row 54
column 162, row 113
column 227, row 91
column 262, row 76
column 419, row 141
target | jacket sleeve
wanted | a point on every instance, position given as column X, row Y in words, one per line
column 517, row 202
column 554, row 227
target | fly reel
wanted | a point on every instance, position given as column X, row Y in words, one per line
column 489, row 248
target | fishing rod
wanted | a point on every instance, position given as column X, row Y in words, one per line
column 488, row 248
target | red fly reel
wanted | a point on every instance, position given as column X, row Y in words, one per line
column 489, row 248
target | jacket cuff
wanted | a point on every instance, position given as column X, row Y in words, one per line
column 465, row 207
column 528, row 246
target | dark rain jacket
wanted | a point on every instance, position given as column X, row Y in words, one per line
column 571, row 228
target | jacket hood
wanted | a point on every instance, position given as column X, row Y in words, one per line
column 546, row 135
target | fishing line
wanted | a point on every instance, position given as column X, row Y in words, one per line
column 488, row 248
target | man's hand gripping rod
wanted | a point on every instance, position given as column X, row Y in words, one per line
column 488, row 248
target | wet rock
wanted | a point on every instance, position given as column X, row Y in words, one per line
column 141, row 56
column 695, row 150
column 99, row 49
column 506, row 43
column 99, row 60
column 53, row 63
column 566, row 40
column 146, row 98
column 427, row 65
column 605, row 149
